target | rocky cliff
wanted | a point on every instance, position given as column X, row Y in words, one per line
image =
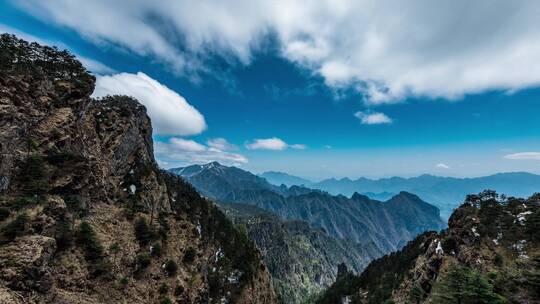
column 490, row 253
column 86, row 216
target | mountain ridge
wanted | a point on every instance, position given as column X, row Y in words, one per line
column 340, row 216
column 444, row 192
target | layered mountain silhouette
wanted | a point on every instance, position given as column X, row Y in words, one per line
column 389, row 225
column 444, row 192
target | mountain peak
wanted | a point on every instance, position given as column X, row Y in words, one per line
column 213, row 165
column 359, row 197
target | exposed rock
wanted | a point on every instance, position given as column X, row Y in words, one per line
column 25, row 262
column 69, row 159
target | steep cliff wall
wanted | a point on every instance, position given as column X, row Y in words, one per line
column 86, row 216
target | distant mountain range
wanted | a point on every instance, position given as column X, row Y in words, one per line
column 388, row 225
column 280, row 178
column 444, row 192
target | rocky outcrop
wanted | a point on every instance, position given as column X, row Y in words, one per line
column 490, row 253
column 77, row 176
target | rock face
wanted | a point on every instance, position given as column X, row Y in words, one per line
column 302, row 260
column 490, row 253
column 86, row 215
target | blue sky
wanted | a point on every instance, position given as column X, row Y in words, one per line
column 259, row 97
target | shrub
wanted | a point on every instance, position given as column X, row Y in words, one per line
column 143, row 261
column 143, row 232
column 87, row 238
column 163, row 225
column 4, row 213
column 170, row 267
column 189, row 255
column 34, row 175
column 165, row 301
column 21, row 202
column 178, row 290
column 63, row 236
column 155, row 249
column 15, row 228
column 123, row 281
column 164, row 288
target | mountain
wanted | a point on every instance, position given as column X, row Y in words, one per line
column 217, row 181
column 280, row 178
column 388, row 225
column 490, row 253
column 86, row 215
column 444, row 192
column 302, row 261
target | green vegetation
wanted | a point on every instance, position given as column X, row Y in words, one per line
column 189, row 255
column 22, row 202
column 462, row 285
column 155, row 249
column 87, row 238
column 417, row 294
column 170, row 267
column 19, row 56
column 163, row 288
column 34, row 175
column 143, row 232
column 143, row 261
column 15, row 228
column 63, row 235
column 4, row 213
column 165, row 300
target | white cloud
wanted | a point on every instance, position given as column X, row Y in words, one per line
column 298, row 146
column 221, row 144
column 524, row 156
column 273, row 143
column 386, row 49
column 178, row 150
column 442, row 166
column 185, row 145
column 171, row 114
column 372, row 118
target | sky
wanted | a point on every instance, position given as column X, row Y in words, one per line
column 315, row 88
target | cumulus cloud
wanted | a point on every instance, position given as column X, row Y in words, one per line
column 523, row 156
column 442, row 166
column 171, row 114
column 179, row 150
column 372, row 118
column 273, row 143
column 388, row 50
column 221, row 144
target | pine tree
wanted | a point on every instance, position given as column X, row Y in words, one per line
column 417, row 294
column 462, row 285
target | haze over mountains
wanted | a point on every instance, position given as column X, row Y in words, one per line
column 388, row 225
column 444, row 192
